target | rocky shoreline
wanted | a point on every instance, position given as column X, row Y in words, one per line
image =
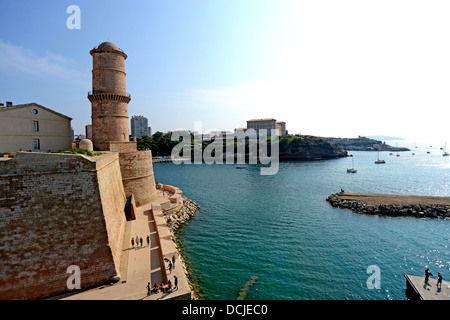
column 428, row 210
column 175, row 220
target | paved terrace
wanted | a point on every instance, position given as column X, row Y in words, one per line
column 428, row 291
column 143, row 264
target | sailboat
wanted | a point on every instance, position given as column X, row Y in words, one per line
column 378, row 160
column 445, row 154
column 352, row 170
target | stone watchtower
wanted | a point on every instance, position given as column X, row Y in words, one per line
column 109, row 101
column 108, row 97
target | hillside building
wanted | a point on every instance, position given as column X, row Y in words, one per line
column 267, row 124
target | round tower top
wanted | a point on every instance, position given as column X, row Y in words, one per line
column 108, row 47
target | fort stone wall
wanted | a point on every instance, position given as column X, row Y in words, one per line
column 57, row 211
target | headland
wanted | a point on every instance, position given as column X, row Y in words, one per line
column 364, row 144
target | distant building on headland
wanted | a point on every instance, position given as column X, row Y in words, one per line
column 281, row 126
column 139, row 127
column 266, row 124
column 32, row 127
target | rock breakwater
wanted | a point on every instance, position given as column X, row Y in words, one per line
column 176, row 218
column 393, row 209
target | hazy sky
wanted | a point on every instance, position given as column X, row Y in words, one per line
column 330, row 68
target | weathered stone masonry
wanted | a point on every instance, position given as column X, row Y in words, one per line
column 55, row 211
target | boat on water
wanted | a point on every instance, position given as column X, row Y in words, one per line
column 445, row 154
column 378, row 159
column 352, row 170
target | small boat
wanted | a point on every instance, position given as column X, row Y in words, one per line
column 397, row 155
column 413, row 153
column 445, row 154
column 241, row 166
column 391, row 154
column 428, row 151
column 378, row 160
column 352, row 170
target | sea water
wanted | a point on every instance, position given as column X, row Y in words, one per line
column 281, row 229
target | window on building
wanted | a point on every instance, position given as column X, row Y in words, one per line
column 35, row 126
column 37, row 144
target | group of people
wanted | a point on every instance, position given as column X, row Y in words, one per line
column 428, row 274
column 138, row 240
column 163, row 287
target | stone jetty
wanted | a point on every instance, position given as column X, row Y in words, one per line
column 393, row 205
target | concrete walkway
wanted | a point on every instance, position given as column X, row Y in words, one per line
column 428, row 291
column 142, row 264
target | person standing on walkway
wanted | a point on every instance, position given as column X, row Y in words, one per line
column 439, row 281
column 140, row 241
column 132, row 242
column 173, row 261
column 170, row 267
column 175, row 284
column 137, row 241
column 427, row 275
column 149, row 289
column 148, row 240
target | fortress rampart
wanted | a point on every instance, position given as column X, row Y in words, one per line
column 62, row 210
column 137, row 176
column 58, row 210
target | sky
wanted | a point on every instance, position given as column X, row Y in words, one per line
column 337, row 68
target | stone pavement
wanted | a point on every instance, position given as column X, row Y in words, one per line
column 143, row 264
column 428, row 291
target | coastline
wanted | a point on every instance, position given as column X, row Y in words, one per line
column 175, row 221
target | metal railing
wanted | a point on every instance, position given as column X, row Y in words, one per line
column 90, row 93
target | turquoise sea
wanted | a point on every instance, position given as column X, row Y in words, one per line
column 281, row 229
